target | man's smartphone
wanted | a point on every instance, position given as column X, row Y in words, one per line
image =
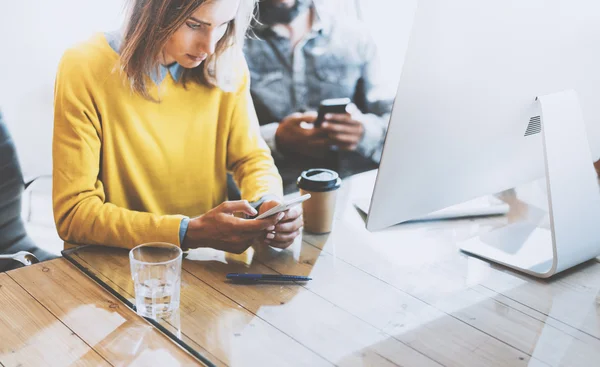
column 333, row 105
column 283, row 207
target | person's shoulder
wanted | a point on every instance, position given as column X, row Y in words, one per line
column 93, row 56
column 255, row 41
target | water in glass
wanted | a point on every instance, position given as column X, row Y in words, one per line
column 156, row 273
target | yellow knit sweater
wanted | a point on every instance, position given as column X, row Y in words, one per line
column 125, row 169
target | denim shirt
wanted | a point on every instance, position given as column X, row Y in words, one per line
column 336, row 59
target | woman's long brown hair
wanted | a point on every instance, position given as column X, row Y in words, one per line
column 152, row 23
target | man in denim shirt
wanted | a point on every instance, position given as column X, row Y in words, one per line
column 298, row 56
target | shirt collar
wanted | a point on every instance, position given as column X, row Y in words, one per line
column 174, row 69
column 114, row 39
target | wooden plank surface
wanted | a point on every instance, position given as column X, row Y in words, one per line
column 320, row 325
column 466, row 301
column 403, row 296
column 114, row 331
column 345, row 347
column 554, row 321
column 117, row 268
column 451, row 342
column 231, row 334
column 31, row 336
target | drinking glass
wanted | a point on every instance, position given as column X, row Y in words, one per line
column 156, row 273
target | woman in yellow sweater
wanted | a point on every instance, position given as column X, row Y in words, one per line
column 147, row 125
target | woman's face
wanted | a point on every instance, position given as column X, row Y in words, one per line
column 197, row 38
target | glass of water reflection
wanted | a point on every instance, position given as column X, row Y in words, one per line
column 156, row 273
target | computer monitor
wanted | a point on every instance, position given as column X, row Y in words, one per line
column 479, row 80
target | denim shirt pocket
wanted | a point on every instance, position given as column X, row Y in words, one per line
column 337, row 76
column 330, row 69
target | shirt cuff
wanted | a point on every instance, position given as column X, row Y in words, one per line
column 371, row 144
column 268, row 133
column 183, row 227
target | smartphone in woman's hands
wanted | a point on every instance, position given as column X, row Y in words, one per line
column 283, row 207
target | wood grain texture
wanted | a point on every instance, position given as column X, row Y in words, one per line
column 225, row 331
column 31, row 336
column 404, row 296
column 114, row 331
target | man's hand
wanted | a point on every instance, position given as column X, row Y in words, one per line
column 597, row 167
column 345, row 130
column 287, row 229
column 296, row 134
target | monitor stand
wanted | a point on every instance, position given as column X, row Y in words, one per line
column 572, row 235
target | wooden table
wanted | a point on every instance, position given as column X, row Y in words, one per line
column 51, row 314
column 403, row 296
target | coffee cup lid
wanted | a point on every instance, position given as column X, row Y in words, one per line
column 319, row 180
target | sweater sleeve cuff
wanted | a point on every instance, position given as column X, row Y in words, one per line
column 183, row 227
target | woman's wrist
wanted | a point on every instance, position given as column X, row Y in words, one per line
column 192, row 237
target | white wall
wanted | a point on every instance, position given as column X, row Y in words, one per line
column 33, row 36
column 35, row 33
column 390, row 22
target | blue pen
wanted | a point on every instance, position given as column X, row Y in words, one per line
column 241, row 277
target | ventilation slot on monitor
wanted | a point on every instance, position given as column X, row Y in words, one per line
column 534, row 127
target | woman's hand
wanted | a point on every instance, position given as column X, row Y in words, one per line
column 287, row 229
column 220, row 229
